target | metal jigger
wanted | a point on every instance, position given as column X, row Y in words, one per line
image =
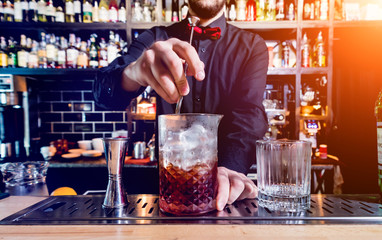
column 115, row 151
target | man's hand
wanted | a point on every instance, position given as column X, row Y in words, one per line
column 233, row 186
column 161, row 67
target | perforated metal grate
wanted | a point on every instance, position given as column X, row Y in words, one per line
column 143, row 209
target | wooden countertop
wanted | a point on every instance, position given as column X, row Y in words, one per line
column 288, row 232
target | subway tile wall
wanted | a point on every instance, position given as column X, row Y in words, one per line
column 67, row 110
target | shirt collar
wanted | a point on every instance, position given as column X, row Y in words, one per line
column 220, row 22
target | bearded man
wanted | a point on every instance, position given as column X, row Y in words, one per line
column 227, row 69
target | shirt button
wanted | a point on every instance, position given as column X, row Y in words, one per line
column 197, row 99
column 203, row 50
column 109, row 90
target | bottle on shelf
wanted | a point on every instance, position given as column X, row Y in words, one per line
column 69, row 11
column 285, row 56
column 87, row 11
column 319, row 52
column 22, row 54
column 308, row 10
column 24, row 10
column 122, row 12
column 280, row 11
column 50, row 11
column 33, row 56
column 270, row 13
column 378, row 115
column 61, row 53
column 8, row 11
column 174, row 11
column 3, row 53
column 290, row 8
column 41, row 11
column 51, row 51
column 77, row 11
column 60, row 14
column 1, row 11
column 71, row 52
column 93, row 52
column 41, row 52
column 103, row 11
column 112, row 48
column 231, row 10
column 250, row 10
column 306, row 59
column 317, row 9
column 260, row 9
column 18, row 13
column 102, row 53
column 113, row 11
column 32, row 11
column 12, row 56
column 83, row 57
column 324, row 10
column 240, row 4
column 95, row 11
column 184, row 10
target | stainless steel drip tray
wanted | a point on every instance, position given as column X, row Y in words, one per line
column 143, row 209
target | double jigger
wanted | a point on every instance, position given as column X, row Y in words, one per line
column 115, row 152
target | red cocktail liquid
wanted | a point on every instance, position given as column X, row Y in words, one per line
column 190, row 192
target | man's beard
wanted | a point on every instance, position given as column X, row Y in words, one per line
column 204, row 10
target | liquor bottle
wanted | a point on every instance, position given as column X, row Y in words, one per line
column 95, row 11
column 32, row 12
column 319, row 51
column 18, row 12
column 260, row 9
column 324, row 10
column 93, row 52
column 87, row 11
column 112, row 48
column 231, row 10
column 51, row 51
column 71, row 52
column 22, row 54
column 102, row 54
column 12, row 56
column 280, row 14
column 61, row 53
column 270, row 13
column 250, row 10
column 290, row 10
column 77, row 11
column 113, row 11
column 1, row 11
column 50, row 11
column 33, row 56
column 3, row 53
column 308, row 10
column 41, row 52
column 24, row 10
column 305, row 52
column 285, row 55
column 240, row 4
column 175, row 11
column 378, row 115
column 317, row 9
column 41, row 11
column 103, row 11
column 122, row 12
column 83, row 58
column 184, row 10
column 60, row 14
column 69, row 11
column 9, row 12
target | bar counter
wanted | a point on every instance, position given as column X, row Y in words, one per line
column 13, row 204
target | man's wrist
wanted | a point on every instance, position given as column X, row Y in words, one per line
column 128, row 83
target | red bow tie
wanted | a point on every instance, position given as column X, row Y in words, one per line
column 210, row 33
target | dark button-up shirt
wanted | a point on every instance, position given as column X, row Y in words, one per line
column 236, row 69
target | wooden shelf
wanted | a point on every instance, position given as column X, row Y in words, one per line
column 282, row 71
column 64, row 26
column 315, row 70
column 264, row 25
column 138, row 116
column 46, row 71
column 315, row 24
column 358, row 24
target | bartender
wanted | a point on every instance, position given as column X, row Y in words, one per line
column 227, row 70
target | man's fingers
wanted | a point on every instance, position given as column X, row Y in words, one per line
column 236, row 188
column 187, row 52
column 223, row 189
column 250, row 191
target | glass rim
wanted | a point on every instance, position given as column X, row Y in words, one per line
column 282, row 141
column 120, row 139
column 191, row 115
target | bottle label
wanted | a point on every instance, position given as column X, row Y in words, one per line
column 22, row 59
column 113, row 15
column 87, row 9
column 60, row 17
column 112, row 52
column 32, row 61
column 72, row 56
column 93, row 63
column 41, row 8
column 77, row 7
column 32, row 5
column 18, row 11
column 50, row 11
column 24, row 5
column 61, row 57
column 379, row 142
column 69, row 8
column 3, row 60
column 103, row 14
column 122, row 15
column 50, row 52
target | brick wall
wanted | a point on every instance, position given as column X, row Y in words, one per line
column 66, row 109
